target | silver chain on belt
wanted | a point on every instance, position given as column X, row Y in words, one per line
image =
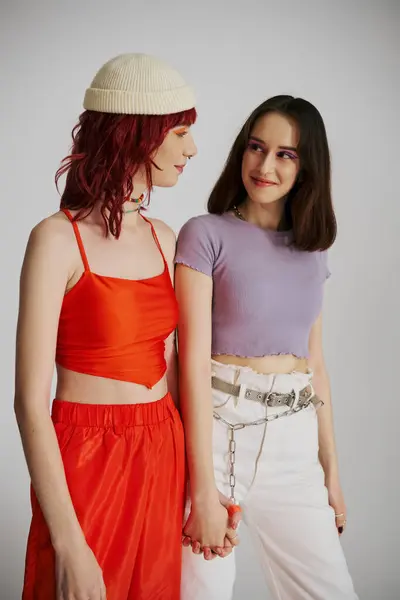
column 232, row 441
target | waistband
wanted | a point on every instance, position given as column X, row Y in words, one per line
column 247, row 377
column 109, row 415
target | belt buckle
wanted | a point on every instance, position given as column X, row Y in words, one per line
column 279, row 399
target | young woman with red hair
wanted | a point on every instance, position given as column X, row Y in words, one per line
column 96, row 296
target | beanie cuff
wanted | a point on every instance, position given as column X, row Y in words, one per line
column 131, row 103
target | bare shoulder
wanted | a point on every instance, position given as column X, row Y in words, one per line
column 163, row 229
column 54, row 227
column 53, row 237
column 166, row 235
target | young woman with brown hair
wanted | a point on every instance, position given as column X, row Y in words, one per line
column 250, row 278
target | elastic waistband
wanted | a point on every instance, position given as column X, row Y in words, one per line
column 109, row 415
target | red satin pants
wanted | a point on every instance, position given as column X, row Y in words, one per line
column 125, row 472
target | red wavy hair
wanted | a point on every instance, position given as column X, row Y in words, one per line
column 107, row 152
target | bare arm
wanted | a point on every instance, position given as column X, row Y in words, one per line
column 44, row 277
column 207, row 525
column 43, row 280
column 326, row 436
column 194, row 293
column 327, row 447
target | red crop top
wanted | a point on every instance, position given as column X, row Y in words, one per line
column 116, row 328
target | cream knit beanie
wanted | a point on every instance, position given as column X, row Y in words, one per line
column 138, row 84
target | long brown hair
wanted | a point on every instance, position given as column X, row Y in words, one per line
column 308, row 207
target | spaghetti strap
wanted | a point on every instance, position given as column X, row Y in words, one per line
column 153, row 231
column 78, row 238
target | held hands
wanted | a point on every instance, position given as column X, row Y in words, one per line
column 211, row 526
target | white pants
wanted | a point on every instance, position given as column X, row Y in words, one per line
column 280, row 487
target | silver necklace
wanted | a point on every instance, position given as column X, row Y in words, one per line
column 238, row 214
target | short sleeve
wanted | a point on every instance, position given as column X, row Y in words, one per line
column 195, row 247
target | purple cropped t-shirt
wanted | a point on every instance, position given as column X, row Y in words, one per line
column 266, row 293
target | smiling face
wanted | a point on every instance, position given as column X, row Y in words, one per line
column 171, row 157
column 270, row 162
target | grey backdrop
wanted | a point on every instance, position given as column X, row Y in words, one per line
column 341, row 55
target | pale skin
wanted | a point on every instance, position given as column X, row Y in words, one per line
column 268, row 158
column 52, row 266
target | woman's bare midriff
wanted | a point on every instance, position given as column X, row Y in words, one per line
column 282, row 363
column 88, row 389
